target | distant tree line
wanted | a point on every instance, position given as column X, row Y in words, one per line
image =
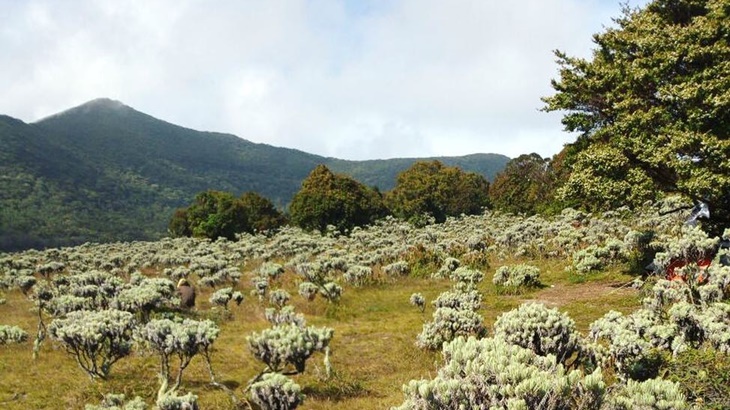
column 428, row 191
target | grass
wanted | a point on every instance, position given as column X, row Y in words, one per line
column 373, row 352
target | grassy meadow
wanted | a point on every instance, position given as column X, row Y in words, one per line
column 373, row 352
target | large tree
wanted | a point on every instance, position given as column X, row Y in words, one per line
column 652, row 107
column 214, row 214
column 431, row 188
column 338, row 200
column 524, row 186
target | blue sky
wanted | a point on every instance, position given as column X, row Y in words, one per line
column 349, row 79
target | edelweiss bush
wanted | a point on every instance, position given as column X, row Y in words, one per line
column 542, row 330
column 97, row 340
column 12, row 334
column 276, row 392
column 517, row 276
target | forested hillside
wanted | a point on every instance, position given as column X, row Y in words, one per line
column 106, row 172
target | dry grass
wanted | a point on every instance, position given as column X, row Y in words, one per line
column 373, row 351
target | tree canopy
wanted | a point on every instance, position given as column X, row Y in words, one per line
column 652, row 107
column 338, row 200
column 526, row 185
column 431, row 188
column 216, row 214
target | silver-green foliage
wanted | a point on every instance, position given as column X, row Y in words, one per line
column 516, row 276
column 542, row 330
column 276, row 392
column 288, row 344
column 221, row 297
column 171, row 401
column 492, row 374
column 12, row 334
column 652, row 394
column 117, row 402
column 419, row 301
column 456, row 312
column 184, row 340
column 358, row 275
column 97, row 340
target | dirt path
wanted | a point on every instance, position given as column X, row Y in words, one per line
column 561, row 294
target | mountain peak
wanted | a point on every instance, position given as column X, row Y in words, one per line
column 96, row 105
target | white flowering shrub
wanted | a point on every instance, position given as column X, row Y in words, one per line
column 652, row 394
column 449, row 265
column 542, row 330
column 145, row 296
column 308, row 290
column 492, row 374
column 117, row 402
column 279, row 298
column 448, row 324
column 97, row 340
column 221, row 297
column 466, row 278
column 516, row 276
column 183, row 340
column 271, row 270
column 692, row 245
column 459, row 300
column 358, row 275
column 288, row 344
column 171, row 401
column 260, row 287
column 418, row 301
column 12, row 334
column 316, row 276
column 284, row 315
column 276, row 392
column 632, row 341
column 399, row 268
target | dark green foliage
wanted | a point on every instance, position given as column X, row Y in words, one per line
column 433, row 189
column 338, row 200
column 104, row 172
column 702, row 373
column 651, row 107
column 523, row 186
column 383, row 173
column 261, row 213
column 216, row 214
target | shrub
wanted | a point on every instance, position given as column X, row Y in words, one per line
column 542, row 330
column 97, row 340
column 419, row 301
column 276, row 392
column 492, row 374
column 117, row 402
column 12, row 334
column 517, row 276
column 653, row 394
column 288, row 344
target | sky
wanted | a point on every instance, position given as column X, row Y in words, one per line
column 352, row 79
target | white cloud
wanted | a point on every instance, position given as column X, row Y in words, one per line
column 350, row 79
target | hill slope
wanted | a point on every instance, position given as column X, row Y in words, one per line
column 104, row 172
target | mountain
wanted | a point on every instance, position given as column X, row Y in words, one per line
column 106, row 172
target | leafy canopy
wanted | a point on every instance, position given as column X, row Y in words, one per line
column 337, row 200
column 652, row 107
column 214, row 214
column 439, row 191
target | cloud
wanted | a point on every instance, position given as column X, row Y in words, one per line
column 352, row 79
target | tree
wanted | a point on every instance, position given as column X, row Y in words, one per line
column 434, row 189
column 329, row 199
column 523, row 186
column 262, row 215
column 652, row 107
column 214, row 214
